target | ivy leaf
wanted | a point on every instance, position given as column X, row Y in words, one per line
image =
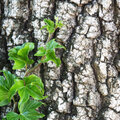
column 19, row 84
column 58, row 23
column 24, row 95
column 9, row 81
column 34, row 87
column 6, row 83
column 19, row 55
column 3, row 96
column 29, row 86
column 49, row 52
column 28, row 112
column 13, row 116
column 34, row 80
column 50, row 56
column 52, row 44
column 49, row 26
column 30, row 105
column 41, row 52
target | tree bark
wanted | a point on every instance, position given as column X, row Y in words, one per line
column 87, row 85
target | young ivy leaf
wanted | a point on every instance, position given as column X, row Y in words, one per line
column 58, row 23
column 19, row 55
column 41, row 51
column 50, row 56
column 49, row 52
column 50, row 26
column 52, row 44
column 6, row 83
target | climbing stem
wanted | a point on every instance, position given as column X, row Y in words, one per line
column 39, row 64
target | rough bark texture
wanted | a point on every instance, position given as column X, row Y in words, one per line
column 87, row 85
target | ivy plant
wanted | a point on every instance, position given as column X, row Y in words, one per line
column 29, row 88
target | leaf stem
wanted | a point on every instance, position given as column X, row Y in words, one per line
column 15, row 105
column 26, row 67
column 13, row 99
column 32, row 69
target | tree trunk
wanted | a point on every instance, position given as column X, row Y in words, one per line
column 87, row 85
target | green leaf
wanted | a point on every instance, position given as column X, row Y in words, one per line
column 35, row 92
column 52, row 44
column 18, row 64
column 4, row 102
column 13, row 116
column 31, row 115
column 50, row 56
column 41, row 52
column 29, row 86
column 49, row 52
column 9, row 81
column 18, row 85
column 49, row 26
column 58, row 24
column 19, row 55
column 30, row 105
column 34, row 80
column 3, row 96
column 28, row 112
column 2, row 81
column 5, row 85
column 34, row 86
column 24, row 95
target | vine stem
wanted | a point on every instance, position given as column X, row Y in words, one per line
column 15, row 105
column 39, row 64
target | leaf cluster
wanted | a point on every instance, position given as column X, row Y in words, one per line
column 29, row 86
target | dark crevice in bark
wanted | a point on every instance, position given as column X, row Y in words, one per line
column 42, row 70
column 89, row 3
column 94, row 69
column 3, row 42
column 106, row 82
column 64, row 54
column 53, row 10
column 117, row 57
column 69, row 40
column 8, row 64
column 115, row 10
column 72, row 3
column 100, row 114
column 73, row 110
column 114, row 110
column 31, row 38
column 74, row 85
column 101, row 25
column 63, row 68
column 50, row 106
column 97, row 84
